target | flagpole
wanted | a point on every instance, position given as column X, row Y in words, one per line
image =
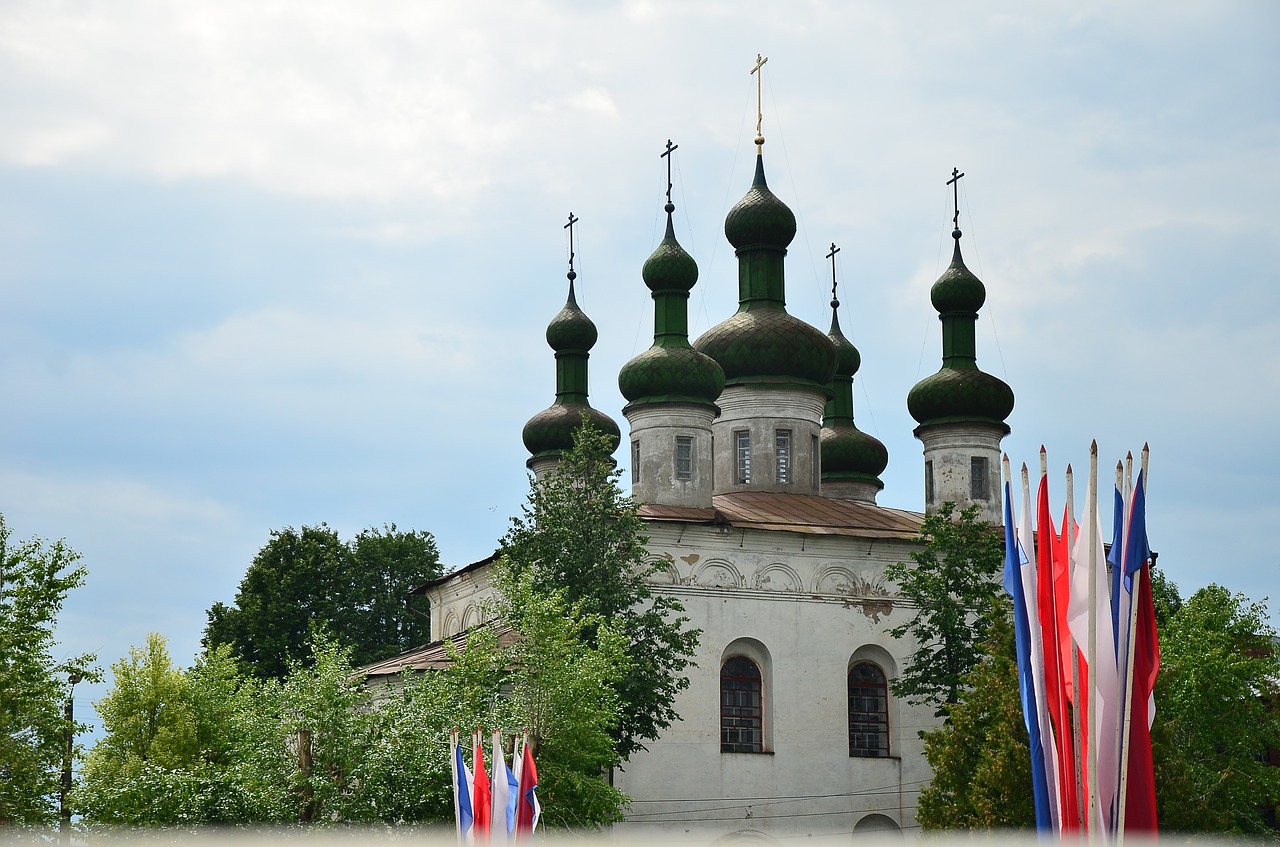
column 1091, row 504
column 1133, row 626
column 1081, row 799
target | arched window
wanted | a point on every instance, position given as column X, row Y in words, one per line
column 868, row 711
column 741, row 707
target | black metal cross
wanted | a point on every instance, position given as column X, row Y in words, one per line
column 666, row 154
column 954, row 182
column 832, row 257
column 759, row 74
column 569, row 226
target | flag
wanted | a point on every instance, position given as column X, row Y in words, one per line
column 1059, row 740
column 481, row 796
column 1026, row 684
column 1140, row 793
column 504, row 794
column 1102, row 729
column 461, row 791
column 529, row 810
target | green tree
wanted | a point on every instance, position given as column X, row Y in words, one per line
column 981, row 757
column 309, row 577
column 954, row 578
column 1217, row 711
column 578, row 534
column 35, row 578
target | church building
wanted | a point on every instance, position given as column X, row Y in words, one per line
column 759, row 495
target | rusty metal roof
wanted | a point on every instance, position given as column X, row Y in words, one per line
column 433, row 656
column 803, row 513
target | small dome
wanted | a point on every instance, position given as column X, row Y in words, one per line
column 571, row 329
column 670, row 268
column 958, row 290
column 760, row 218
column 848, row 359
column 960, row 395
column 769, row 345
column 550, row 432
column 848, row 453
column 671, row 374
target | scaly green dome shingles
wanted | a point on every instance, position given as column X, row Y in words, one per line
column 959, row 392
column 550, row 432
column 762, row 343
column 848, row 453
column 670, row 371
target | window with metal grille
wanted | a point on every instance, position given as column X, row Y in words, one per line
column 684, row 457
column 742, row 439
column 782, row 454
column 635, row 462
column 978, row 489
column 741, row 707
column 868, row 711
column 928, row 482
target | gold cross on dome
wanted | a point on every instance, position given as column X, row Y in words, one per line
column 758, row 70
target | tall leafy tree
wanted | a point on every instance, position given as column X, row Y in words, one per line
column 579, row 535
column 35, row 578
column 981, row 758
column 953, row 580
column 311, row 577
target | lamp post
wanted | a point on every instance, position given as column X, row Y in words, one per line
column 68, row 739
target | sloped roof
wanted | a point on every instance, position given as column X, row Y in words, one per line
column 803, row 513
column 433, row 656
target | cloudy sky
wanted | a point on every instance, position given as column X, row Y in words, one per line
column 272, row 264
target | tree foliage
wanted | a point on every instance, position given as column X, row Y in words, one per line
column 1217, row 713
column 35, row 578
column 982, row 758
column 311, row 577
column 580, row 536
column 952, row 582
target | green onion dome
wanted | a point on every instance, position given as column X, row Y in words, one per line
column 959, row 392
column 760, row 218
column 550, row 432
column 848, row 453
column 669, row 267
column 671, row 371
column 571, row 329
column 671, row 375
column 762, row 342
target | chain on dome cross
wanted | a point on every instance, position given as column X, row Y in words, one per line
column 758, row 70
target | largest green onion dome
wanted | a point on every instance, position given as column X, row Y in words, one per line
column 848, row 453
column 959, row 392
column 670, row 371
column 550, row 432
column 762, row 342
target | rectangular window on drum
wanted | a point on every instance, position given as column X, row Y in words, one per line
column 684, row 457
column 742, row 442
column 782, row 454
column 635, row 462
column 978, row 488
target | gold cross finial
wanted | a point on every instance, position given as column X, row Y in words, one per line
column 758, row 70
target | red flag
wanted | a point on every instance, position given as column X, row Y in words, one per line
column 1140, row 793
column 527, row 810
column 1055, row 693
column 481, row 797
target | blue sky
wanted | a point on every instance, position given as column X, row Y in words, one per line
column 265, row 265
